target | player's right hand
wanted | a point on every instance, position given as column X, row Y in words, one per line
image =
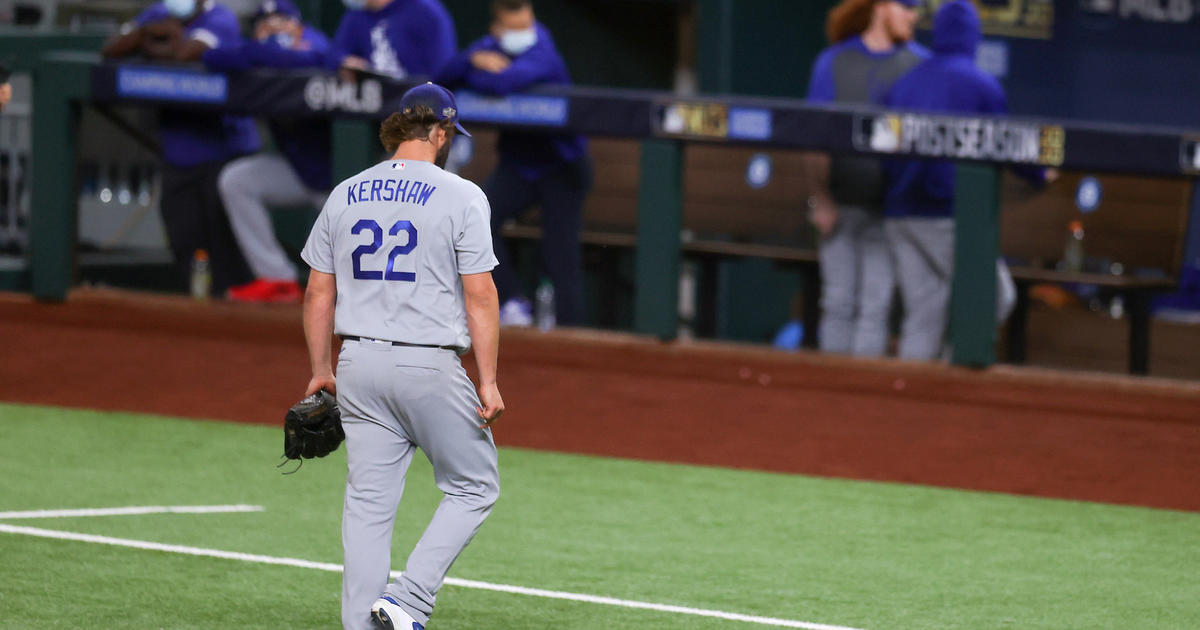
column 326, row 382
column 823, row 215
column 493, row 404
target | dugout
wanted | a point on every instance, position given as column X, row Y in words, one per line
column 760, row 259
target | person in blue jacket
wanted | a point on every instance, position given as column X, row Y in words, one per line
column 871, row 47
column 920, row 194
column 550, row 170
column 299, row 176
column 195, row 145
column 398, row 38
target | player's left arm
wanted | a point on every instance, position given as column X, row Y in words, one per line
column 526, row 71
column 993, row 101
column 221, row 29
column 319, row 300
column 483, row 323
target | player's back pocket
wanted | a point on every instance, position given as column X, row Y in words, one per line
column 417, row 371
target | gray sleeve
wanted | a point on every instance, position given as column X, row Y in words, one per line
column 473, row 243
column 318, row 250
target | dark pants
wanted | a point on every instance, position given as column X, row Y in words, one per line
column 560, row 194
column 195, row 218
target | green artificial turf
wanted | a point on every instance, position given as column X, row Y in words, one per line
column 857, row 554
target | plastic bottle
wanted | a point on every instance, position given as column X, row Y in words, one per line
column 1073, row 252
column 544, row 306
column 201, row 276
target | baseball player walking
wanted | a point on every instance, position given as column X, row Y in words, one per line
column 404, row 251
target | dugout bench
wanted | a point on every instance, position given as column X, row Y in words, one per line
column 1141, row 225
column 663, row 123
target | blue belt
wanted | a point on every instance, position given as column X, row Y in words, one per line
column 400, row 344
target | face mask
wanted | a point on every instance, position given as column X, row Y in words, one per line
column 517, row 42
column 283, row 40
column 355, row 5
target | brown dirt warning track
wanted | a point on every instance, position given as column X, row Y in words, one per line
column 1107, row 439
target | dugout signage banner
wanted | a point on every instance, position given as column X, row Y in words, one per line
column 977, row 139
column 779, row 123
column 1009, row 18
column 1155, row 11
column 711, row 121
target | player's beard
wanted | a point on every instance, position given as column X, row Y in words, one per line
column 443, row 154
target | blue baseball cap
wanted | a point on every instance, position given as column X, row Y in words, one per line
column 912, row 4
column 437, row 98
column 276, row 7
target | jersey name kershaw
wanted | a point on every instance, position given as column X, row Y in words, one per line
column 394, row 190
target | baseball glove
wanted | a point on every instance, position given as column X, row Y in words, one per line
column 312, row 427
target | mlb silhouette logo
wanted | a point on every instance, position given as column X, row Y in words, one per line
column 880, row 134
column 1189, row 155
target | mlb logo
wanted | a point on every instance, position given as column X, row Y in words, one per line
column 1189, row 155
column 879, row 134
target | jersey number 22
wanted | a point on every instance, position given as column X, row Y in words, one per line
column 390, row 273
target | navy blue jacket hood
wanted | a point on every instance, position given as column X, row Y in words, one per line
column 949, row 82
column 956, row 29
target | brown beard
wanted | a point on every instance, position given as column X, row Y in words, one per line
column 443, row 154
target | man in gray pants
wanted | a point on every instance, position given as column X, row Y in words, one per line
column 404, row 251
column 846, row 206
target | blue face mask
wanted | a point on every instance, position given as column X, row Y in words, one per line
column 355, row 5
column 180, row 8
column 517, row 42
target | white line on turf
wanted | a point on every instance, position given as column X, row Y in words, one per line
column 337, row 568
column 133, row 510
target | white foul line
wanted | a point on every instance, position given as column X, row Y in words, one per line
column 133, row 510
column 337, row 568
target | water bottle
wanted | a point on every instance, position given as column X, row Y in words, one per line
column 1073, row 252
column 201, row 276
column 544, row 308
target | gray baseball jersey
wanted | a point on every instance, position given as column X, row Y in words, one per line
column 397, row 236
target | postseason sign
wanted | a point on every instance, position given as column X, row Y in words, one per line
column 1008, row 18
column 955, row 138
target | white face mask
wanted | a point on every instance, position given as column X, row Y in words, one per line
column 283, row 40
column 355, row 5
column 180, row 8
column 517, row 42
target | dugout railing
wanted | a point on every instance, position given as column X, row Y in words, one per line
column 663, row 122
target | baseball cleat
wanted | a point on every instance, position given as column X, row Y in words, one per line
column 267, row 291
column 386, row 614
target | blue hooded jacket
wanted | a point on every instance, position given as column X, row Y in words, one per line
column 949, row 82
column 534, row 154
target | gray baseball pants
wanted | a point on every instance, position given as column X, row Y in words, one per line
column 923, row 249
column 393, row 400
column 857, row 285
column 248, row 186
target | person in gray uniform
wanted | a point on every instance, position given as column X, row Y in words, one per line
column 401, row 259
column 871, row 48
